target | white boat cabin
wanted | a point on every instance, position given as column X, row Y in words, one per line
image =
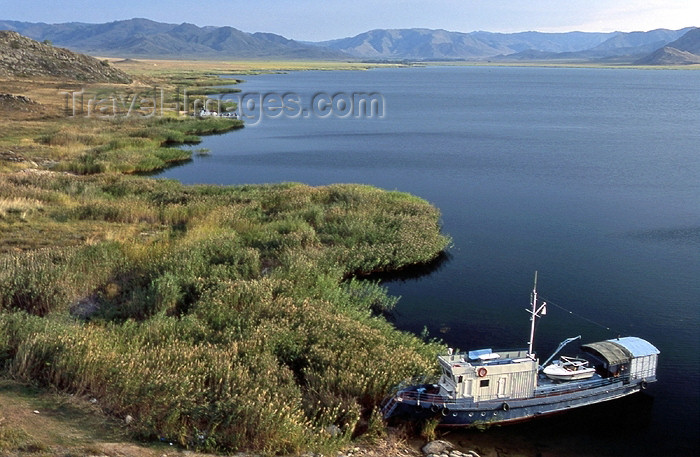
column 487, row 375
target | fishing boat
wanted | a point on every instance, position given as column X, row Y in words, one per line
column 487, row 386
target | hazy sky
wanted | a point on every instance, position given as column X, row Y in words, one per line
column 326, row 19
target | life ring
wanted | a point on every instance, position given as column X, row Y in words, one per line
column 481, row 372
column 643, row 385
column 505, row 406
column 434, row 408
column 445, row 411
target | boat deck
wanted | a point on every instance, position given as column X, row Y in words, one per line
column 545, row 388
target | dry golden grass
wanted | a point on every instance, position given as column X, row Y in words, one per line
column 154, row 68
column 23, row 206
column 21, row 129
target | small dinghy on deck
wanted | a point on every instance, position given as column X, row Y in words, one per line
column 569, row 369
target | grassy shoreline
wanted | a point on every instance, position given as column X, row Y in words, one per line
column 218, row 318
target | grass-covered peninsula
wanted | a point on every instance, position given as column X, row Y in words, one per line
column 215, row 318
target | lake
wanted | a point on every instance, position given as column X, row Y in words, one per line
column 590, row 176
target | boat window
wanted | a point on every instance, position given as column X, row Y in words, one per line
column 484, row 383
column 459, row 379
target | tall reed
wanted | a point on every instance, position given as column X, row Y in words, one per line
column 237, row 328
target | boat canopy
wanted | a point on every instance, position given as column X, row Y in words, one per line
column 621, row 350
column 637, row 346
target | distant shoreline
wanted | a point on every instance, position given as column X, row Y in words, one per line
column 253, row 67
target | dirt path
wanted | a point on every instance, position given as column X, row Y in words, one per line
column 42, row 424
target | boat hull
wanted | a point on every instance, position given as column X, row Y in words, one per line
column 464, row 413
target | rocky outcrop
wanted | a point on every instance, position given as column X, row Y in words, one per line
column 20, row 106
column 16, row 102
column 23, row 57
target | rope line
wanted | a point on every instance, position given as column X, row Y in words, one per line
column 549, row 302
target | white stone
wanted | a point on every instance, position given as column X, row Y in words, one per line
column 437, row 447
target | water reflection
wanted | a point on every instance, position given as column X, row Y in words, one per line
column 593, row 430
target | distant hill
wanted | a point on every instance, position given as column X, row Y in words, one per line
column 690, row 42
column 669, row 56
column 427, row 44
column 417, row 44
column 23, row 57
column 683, row 51
column 146, row 38
column 638, row 41
column 620, row 48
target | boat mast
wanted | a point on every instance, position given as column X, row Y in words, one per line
column 535, row 313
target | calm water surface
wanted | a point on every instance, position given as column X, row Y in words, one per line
column 590, row 176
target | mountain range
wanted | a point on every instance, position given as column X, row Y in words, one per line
column 420, row 44
column 146, row 38
column 425, row 44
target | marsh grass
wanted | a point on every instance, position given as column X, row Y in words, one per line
column 235, row 329
column 133, row 146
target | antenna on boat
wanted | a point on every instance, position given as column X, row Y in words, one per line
column 535, row 313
